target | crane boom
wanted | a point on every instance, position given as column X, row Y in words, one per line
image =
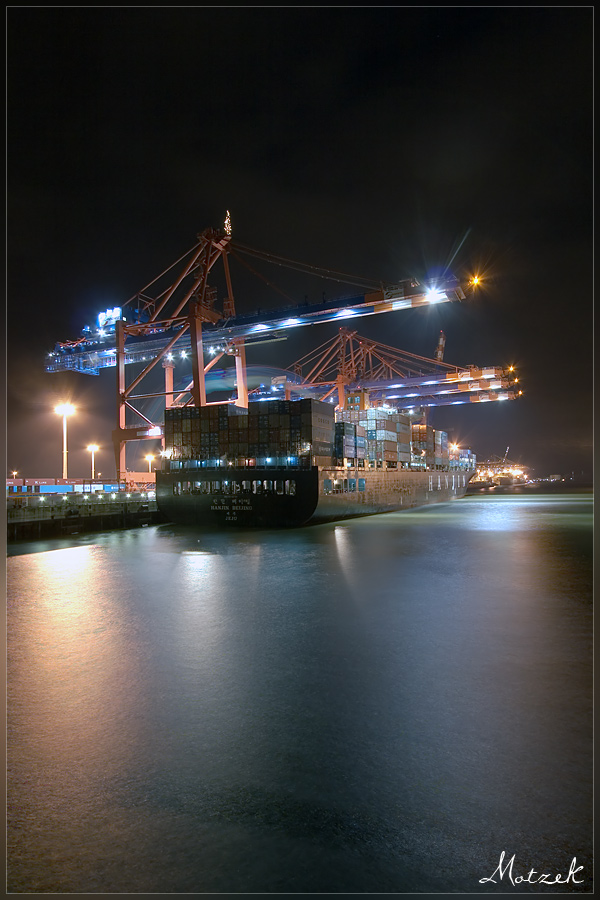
column 88, row 355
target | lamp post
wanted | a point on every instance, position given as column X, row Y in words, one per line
column 149, row 457
column 64, row 410
column 92, row 449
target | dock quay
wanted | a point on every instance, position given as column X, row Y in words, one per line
column 36, row 516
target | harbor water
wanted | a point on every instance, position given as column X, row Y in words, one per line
column 382, row 705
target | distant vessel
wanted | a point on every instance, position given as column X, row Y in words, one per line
column 499, row 472
column 283, row 463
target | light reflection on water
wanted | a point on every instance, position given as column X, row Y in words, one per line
column 383, row 704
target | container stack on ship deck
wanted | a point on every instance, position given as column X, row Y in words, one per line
column 288, row 462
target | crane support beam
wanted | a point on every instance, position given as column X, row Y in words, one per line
column 118, row 442
column 241, row 377
column 198, row 385
column 186, row 271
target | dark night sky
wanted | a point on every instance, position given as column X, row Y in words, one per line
column 367, row 140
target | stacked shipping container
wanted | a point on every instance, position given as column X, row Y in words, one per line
column 277, row 430
column 284, row 432
column 441, row 455
column 386, row 434
column 466, row 459
column 422, row 446
column 57, row 486
column 430, row 447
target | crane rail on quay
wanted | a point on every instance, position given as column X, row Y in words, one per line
column 177, row 312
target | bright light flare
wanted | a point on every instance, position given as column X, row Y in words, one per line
column 434, row 295
column 64, row 409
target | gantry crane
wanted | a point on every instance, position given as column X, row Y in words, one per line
column 349, row 362
column 178, row 309
column 178, row 312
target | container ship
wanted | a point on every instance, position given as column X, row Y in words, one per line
column 288, row 463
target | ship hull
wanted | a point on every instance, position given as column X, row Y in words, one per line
column 286, row 497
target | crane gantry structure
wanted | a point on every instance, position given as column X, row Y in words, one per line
column 349, row 362
column 178, row 312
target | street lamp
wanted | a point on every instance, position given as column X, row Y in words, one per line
column 15, row 473
column 149, row 457
column 92, row 449
column 64, row 410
